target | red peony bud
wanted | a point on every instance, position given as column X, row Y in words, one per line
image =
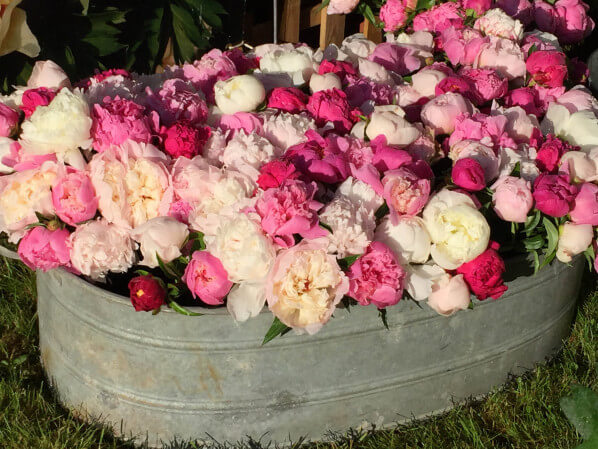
column 146, row 293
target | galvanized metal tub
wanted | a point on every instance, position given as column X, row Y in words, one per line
column 169, row 376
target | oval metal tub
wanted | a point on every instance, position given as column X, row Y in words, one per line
column 166, row 376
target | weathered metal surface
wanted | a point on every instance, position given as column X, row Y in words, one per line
column 166, row 376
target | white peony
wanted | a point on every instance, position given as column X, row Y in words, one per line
column 389, row 121
column 375, row 72
column 285, row 130
column 6, row 145
column 360, row 193
column 242, row 93
column 459, row 232
column 324, row 82
column 579, row 128
column 246, row 300
column 160, row 236
column 357, row 46
column 409, row 239
column 573, row 239
column 62, row 127
column 525, row 156
column 425, row 81
column 298, row 63
column 419, row 279
column 498, row 23
column 247, row 153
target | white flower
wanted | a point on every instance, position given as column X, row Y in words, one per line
column 550, row 39
column 214, row 147
column 459, row 232
column 324, row 82
column 525, row 155
column 420, row 279
column 6, row 144
column 247, row 153
column 242, row 93
column 48, row 74
column 109, row 87
column 498, row 23
column 357, row 46
column 240, row 244
column 285, row 130
column 425, row 81
column 389, row 121
column 298, row 63
column 375, row 72
column 359, row 192
column 160, row 236
column 352, row 226
column 62, row 127
column 98, row 247
column 579, row 128
column 246, row 300
column 409, row 239
column 422, row 42
column 573, row 239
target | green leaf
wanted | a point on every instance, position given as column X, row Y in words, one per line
column 168, row 269
column 382, row 315
column 181, row 310
column 142, row 273
column 590, row 256
column 534, row 243
column 327, row 227
column 382, row 211
column 532, row 222
column 516, row 170
column 197, row 241
column 173, row 291
column 19, row 360
column 581, row 409
column 536, row 261
column 277, row 328
column 553, row 240
column 532, row 49
column 85, row 6
column 369, row 14
column 346, row 262
column 424, row 4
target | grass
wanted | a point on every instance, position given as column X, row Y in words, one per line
column 524, row 414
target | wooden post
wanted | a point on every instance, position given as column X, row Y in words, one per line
column 372, row 32
column 332, row 28
column 289, row 26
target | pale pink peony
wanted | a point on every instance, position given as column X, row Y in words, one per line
column 43, row 249
column 341, row 6
column 397, row 58
column 440, row 113
column 449, row 295
column 74, row 198
column 48, row 74
column 502, row 55
column 405, row 193
column 512, row 198
column 585, row 205
column 212, row 67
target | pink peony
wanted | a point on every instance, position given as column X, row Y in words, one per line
column 394, row 15
column 545, row 16
column 43, row 249
column 439, row 18
column 342, row 69
column 206, row 277
column 117, row 120
column 48, row 74
column 479, row 6
column 521, row 10
column 273, row 174
column 405, row 193
column 212, row 67
column 245, row 121
column 468, row 174
column 484, row 274
column 290, row 209
column 554, row 194
column 502, row 55
column 573, row 23
column 9, row 121
column 397, row 58
column 550, row 153
column 183, row 139
column 585, row 205
column 74, row 198
column 364, row 90
column 526, row 98
column 457, row 85
column 376, row 277
column 288, row 99
column 440, row 112
column 490, row 130
column 387, row 157
column 341, row 6
column 243, row 62
column 32, row 98
column 462, row 46
column 487, row 84
column 175, row 101
column 331, row 106
column 548, row 68
column 512, row 199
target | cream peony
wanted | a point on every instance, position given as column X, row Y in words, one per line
column 305, row 285
column 409, row 239
column 62, row 127
column 15, row 34
column 389, row 121
column 578, row 128
column 160, row 236
column 459, row 232
column 449, row 294
column 420, row 279
column 98, row 247
column 573, row 239
column 360, row 193
column 246, row 300
column 425, row 81
column 298, row 63
column 324, row 82
column 242, row 93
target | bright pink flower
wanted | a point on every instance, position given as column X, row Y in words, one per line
column 521, row 10
column 394, row 15
column 340, row 68
column 462, row 46
column 213, row 66
column 387, row 157
column 331, row 106
column 9, row 120
column 439, row 18
column 585, row 205
column 319, row 159
column 532, row 42
column 290, row 209
column 42, row 249
column 554, row 194
column 117, row 120
column 397, row 58
column 363, row 90
column 242, row 62
column 180, row 210
column 273, row 174
column 405, row 193
column 526, row 98
column 33, row 98
column 573, row 23
column 175, row 101
column 101, row 76
column 479, row 6
column 376, row 277
column 484, row 274
column 547, row 95
column 288, row 99
column 246, row 121
column 206, row 277
column 455, row 84
column 487, row 84
column 74, row 198
column 550, row 153
column 490, row 130
column 468, row 174
column 184, row 139
column 548, row 68
column 545, row 16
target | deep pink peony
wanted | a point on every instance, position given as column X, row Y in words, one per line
column 9, row 121
column 273, row 174
column 319, row 159
column 206, row 277
column 554, row 194
column 184, row 139
column 340, row 68
column 585, row 205
column 175, row 101
column 545, row 16
column 290, row 209
column 439, row 18
column 74, row 198
column 468, row 174
column 521, row 10
column 526, row 98
column 387, row 157
column 394, row 15
column 42, row 249
column 548, row 68
column 32, row 98
column 331, row 106
column 117, row 120
column 397, row 58
column 479, row 6
column 363, row 90
column 405, row 193
column 573, row 23
column 484, row 274
column 146, row 293
column 550, row 153
column 213, row 66
column 376, row 277
column 288, row 99
column 456, row 84
column 486, row 84
column 243, row 62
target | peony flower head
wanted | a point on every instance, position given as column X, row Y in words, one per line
column 32, row 98
column 206, row 278
column 241, row 93
column 405, row 192
column 146, row 293
column 331, row 106
column 247, row 153
column 547, row 67
column 74, row 198
column 512, row 198
column 408, row 239
column 42, row 249
column 573, row 239
column 553, row 194
column 496, row 22
column 484, row 274
column 288, row 99
column 389, row 121
column 449, row 294
column 468, row 174
column 585, row 205
column 177, row 100
column 160, row 237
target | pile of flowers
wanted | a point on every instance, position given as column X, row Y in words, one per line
column 305, row 180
